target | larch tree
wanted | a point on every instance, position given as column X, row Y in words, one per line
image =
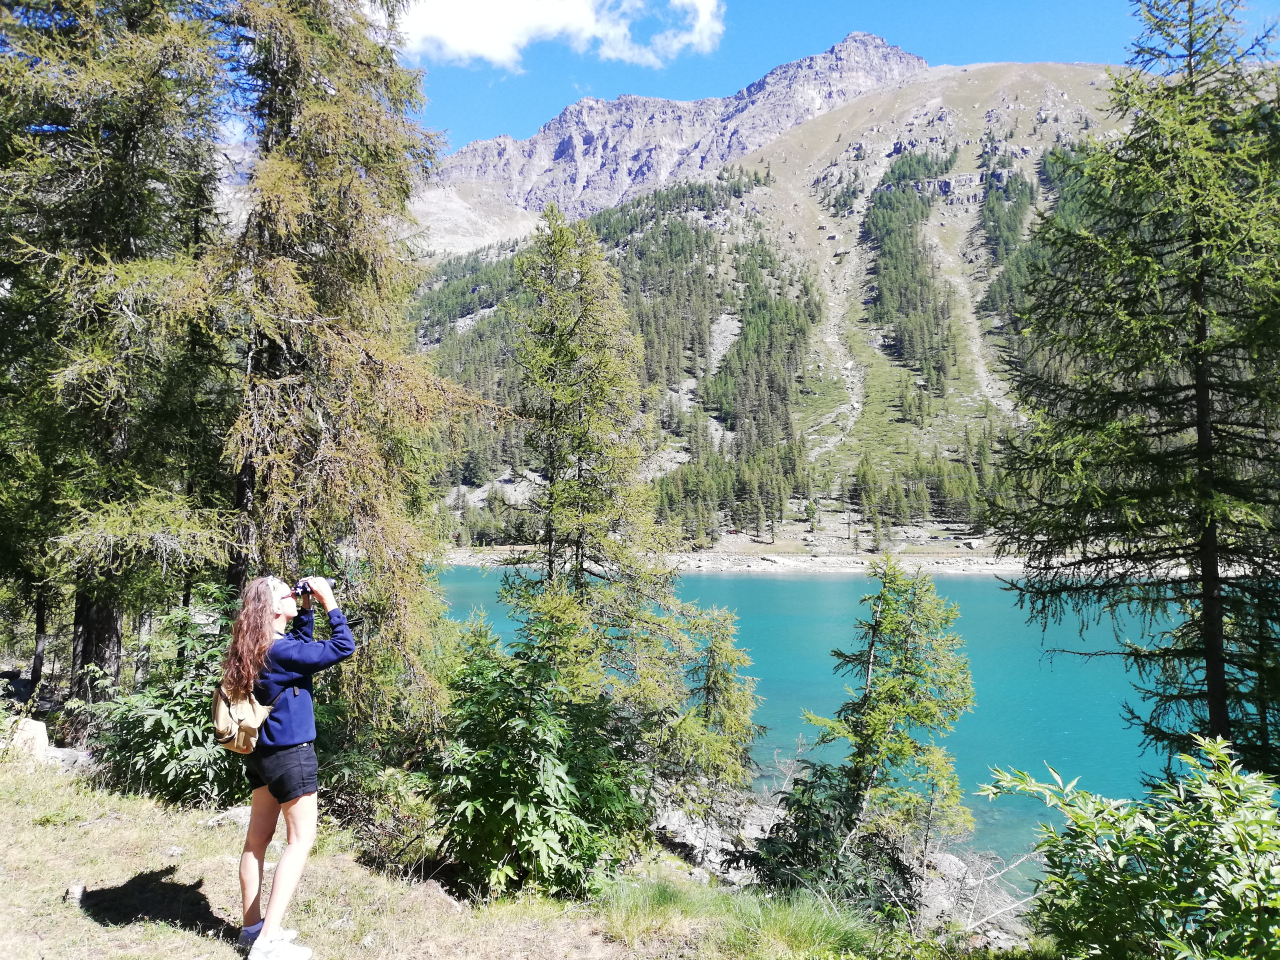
column 596, row 590
column 1148, row 475
column 332, row 445
column 212, row 373
column 107, row 177
column 874, row 817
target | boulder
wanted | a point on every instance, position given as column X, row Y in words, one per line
column 949, row 867
column 69, row 760
column 27, row 739
column 232, row 817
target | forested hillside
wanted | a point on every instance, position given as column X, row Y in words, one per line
column 725, row 319
column 724, row 325
column 823, row 325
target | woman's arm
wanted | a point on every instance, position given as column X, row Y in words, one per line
column 302, row 656
column 304, row 623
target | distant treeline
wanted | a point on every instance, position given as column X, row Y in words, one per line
column 1006, row 297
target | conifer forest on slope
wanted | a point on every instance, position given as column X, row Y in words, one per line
column 728, row 318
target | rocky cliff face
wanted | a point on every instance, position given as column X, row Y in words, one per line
column 597, row 153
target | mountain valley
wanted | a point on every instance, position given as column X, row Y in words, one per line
column 863, row 422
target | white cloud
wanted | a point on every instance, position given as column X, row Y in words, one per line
column 497, row 30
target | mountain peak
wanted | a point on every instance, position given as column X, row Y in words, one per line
column 598, row 153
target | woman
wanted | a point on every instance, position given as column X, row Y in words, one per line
column 278, row 667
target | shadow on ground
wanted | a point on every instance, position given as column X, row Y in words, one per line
column 157, row 897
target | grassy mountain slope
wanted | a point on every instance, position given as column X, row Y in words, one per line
column 866, row 374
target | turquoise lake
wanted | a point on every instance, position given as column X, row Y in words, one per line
column 1030, row 709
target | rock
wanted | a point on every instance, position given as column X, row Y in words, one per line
column 700, row 875
column 598, row 153
column 175, row 851
column 74, row 894
column 233, row 817
column 949, row 867
column 14, row 686
column 276, row 847
column 69, row 760
column 710, row 844
column 28, row 739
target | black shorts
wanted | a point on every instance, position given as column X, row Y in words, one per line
column 288, row 772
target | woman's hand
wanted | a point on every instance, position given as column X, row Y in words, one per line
column 320, row 588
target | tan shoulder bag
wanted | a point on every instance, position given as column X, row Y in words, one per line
column 236, row 723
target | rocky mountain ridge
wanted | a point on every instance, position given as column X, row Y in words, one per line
column 597, row 154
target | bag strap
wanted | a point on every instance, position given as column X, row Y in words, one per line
column 227, row 700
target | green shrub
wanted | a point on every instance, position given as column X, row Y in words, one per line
column 1193, row 871
column 536, row 788
column 159, row 739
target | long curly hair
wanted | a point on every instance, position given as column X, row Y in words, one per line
column 252, row 635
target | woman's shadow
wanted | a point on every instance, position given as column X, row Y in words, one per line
column 157, row 897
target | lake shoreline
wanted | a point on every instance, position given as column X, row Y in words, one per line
column 855, row 564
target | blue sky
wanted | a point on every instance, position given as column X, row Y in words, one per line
column 508, row 66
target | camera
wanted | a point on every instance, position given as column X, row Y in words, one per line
column 303, row 589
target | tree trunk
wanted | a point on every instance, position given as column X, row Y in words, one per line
column 96, row 640
column 238, row 568
column 42, row 637
column 1211, row 607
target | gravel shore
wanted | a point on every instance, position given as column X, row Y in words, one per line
column 711, row 562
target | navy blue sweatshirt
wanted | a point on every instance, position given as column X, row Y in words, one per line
column 293, row 659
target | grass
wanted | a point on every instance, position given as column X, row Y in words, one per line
column 742, row 925
column 159, row 883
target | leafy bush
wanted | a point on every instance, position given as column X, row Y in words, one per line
column 536, row 788
column 1193, row 871
column 159, row 740
column 386, row 808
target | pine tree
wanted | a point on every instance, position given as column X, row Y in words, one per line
column 1148, row 475
column 107, row 133
column 595, row 592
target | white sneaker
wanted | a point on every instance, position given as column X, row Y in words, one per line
column 278, row 948
column 245, row 942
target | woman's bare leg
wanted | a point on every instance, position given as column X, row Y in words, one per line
column 262, row 825
column 300, row 821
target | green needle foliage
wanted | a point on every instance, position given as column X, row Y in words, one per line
column 1148, row 476
column 1192, row 871
column 595, row 593
column 869, row 823
column 108, row 117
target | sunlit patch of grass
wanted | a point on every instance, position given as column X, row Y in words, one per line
column 738, row 924
column 639, row 911
column 799, row 925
